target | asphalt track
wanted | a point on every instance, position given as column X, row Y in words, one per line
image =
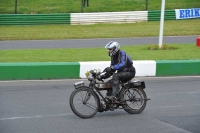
column 42, row 106
column 85, row 43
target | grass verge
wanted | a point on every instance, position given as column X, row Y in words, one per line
column 138, row 52
column 142, row 29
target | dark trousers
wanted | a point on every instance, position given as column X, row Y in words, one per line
column 120, row 76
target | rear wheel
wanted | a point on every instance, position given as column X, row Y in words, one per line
column 84, row 103
column 135, row 100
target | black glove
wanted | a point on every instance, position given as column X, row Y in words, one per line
column 108, row 69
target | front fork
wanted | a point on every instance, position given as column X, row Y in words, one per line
column 87, row 97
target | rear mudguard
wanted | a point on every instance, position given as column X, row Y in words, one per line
column 137, row 84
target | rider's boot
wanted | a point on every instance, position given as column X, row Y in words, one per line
column 115, row 88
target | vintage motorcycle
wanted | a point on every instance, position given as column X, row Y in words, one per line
column 86, row 101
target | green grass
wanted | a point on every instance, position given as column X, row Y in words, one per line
column 139, row 52
column 143, row 29
column 72, row 6
column 172, row 28
column 48, row 32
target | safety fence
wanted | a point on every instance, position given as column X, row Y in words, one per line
column 34, row 19
column 84, row 18
column 96, row 18
column 155, row 15
column 108, row 17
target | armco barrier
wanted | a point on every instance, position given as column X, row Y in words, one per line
column 177, row 67
column 69, row 70
column 109, row 17
column 84, row 18
column 58, row 70
column 34, row 19
column 155, row 15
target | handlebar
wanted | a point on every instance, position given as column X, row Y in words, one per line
column 95, row 74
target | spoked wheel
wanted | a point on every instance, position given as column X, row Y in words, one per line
column 84, row 103
column 135, row 100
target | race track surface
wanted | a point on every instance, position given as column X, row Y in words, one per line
column 42, row 106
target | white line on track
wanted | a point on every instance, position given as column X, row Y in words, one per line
column 42, row 116
column 175, row 106
column 37, row 116
column 53, row 80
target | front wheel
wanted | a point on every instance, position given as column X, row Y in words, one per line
column 84, row 103
column 134, row 100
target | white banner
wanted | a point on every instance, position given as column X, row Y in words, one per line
column 187, row 13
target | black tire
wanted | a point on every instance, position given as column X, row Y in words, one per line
column 136, row 100
column 83, row 99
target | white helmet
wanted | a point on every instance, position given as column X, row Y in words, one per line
column 114, row 46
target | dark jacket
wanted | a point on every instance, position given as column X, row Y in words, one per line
column 121, row 62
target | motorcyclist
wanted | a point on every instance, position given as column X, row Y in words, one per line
column 120, row 62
